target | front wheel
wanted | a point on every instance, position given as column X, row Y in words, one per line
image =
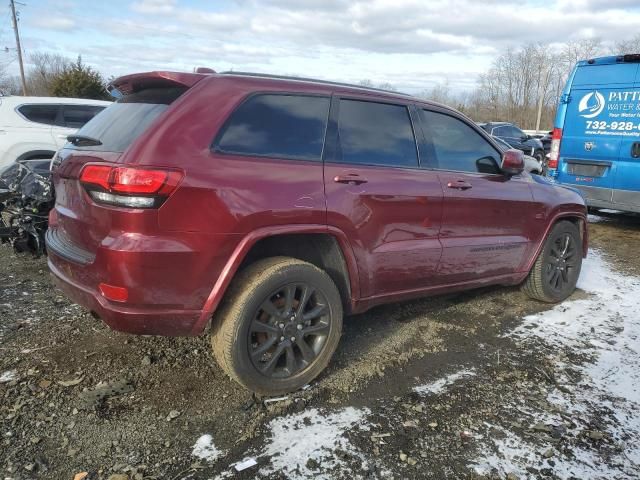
column 279, row 326
column 555, row 273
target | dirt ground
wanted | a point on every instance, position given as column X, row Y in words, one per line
column 459, row 386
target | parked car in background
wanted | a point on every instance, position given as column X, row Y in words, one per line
column 596, row 139
column 36, row 127
column 268, row 207
column 546, row 141
column 516, row 138
column 531, row 165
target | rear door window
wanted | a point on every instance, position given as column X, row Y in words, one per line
column 75, row 116
column 277, row 126
column 43, row 113
column 457, row 146
column 501, row 132
column 371, row 133
column 118, row 125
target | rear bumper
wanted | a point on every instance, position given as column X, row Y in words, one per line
column 625, row 200
column 135, row 320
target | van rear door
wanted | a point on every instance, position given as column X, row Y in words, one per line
column 594, row 128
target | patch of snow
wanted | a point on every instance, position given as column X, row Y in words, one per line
column 8, row 376
column 310, row 435
column 204, row 449
column 605, row 327
column 295, row 439
column 595, row 219
column 442, row 384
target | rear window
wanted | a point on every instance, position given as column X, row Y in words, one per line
column 45, row 114
column 280, row 126
column 117, row 126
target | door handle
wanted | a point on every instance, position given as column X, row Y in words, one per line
column 635, row 149
column 350, row 179
column 460, row 185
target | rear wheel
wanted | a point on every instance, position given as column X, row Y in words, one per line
column 279, row 326
column 556, row 270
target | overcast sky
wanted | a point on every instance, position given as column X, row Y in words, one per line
column 413, row 44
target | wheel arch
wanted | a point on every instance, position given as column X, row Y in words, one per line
column 326, row 247
column 579, row 219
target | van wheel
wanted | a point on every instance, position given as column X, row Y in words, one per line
column 279, row 325
column 555, row 273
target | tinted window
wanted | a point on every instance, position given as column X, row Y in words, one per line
column 75, row 116
column 375, row 134
column 40, row 113
column 118, row 125
column 284, row 126
column 516, row 132
column 458, row 146
column 501, row 132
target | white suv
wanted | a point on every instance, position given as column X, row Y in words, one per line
column 36, row 127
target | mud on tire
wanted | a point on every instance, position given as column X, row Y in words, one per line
column 279, row 325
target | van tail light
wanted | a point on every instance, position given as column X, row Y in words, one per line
column 129, row 187
column 554, row 154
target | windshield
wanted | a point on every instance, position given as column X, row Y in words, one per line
column 117, row 126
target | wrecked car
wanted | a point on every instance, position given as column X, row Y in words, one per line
column 26, row 197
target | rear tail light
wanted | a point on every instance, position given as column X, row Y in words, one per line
column 554, row 154
column 129, row 187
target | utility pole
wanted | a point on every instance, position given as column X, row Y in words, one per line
column 15, row 29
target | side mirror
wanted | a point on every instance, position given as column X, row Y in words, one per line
column 512, row 162
column 525, row 137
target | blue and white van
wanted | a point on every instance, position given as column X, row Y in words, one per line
column 596, row 137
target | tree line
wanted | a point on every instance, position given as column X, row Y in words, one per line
column 53, row 75
column 523, row 85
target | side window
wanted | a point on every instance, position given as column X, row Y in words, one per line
column 515, row 132
column 282, row 126
column 458, row 146
column 375, row 134
column 501, row 132
column 75, row 116
column 45, row 114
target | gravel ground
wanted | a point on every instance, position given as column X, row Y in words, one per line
column 484, row 384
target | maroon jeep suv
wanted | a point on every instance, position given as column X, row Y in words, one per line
column 269, row 207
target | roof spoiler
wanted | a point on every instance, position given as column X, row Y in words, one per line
column 129, row 84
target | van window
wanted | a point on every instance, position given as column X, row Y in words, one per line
column 458, row 146
column 375, row 134
column 280, row 126
column 43, row 113
column 75, row 116
column 118, row 125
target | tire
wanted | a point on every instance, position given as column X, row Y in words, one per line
column 259, row 346
column 551, row 279
column 539, row 156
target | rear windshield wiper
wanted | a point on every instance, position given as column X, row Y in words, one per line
column 83, row 141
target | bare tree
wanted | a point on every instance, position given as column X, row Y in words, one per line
column 44, row 68
column 631, row 45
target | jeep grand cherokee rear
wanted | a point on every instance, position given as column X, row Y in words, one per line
column 267, row 207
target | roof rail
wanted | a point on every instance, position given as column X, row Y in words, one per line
column 314, row 80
